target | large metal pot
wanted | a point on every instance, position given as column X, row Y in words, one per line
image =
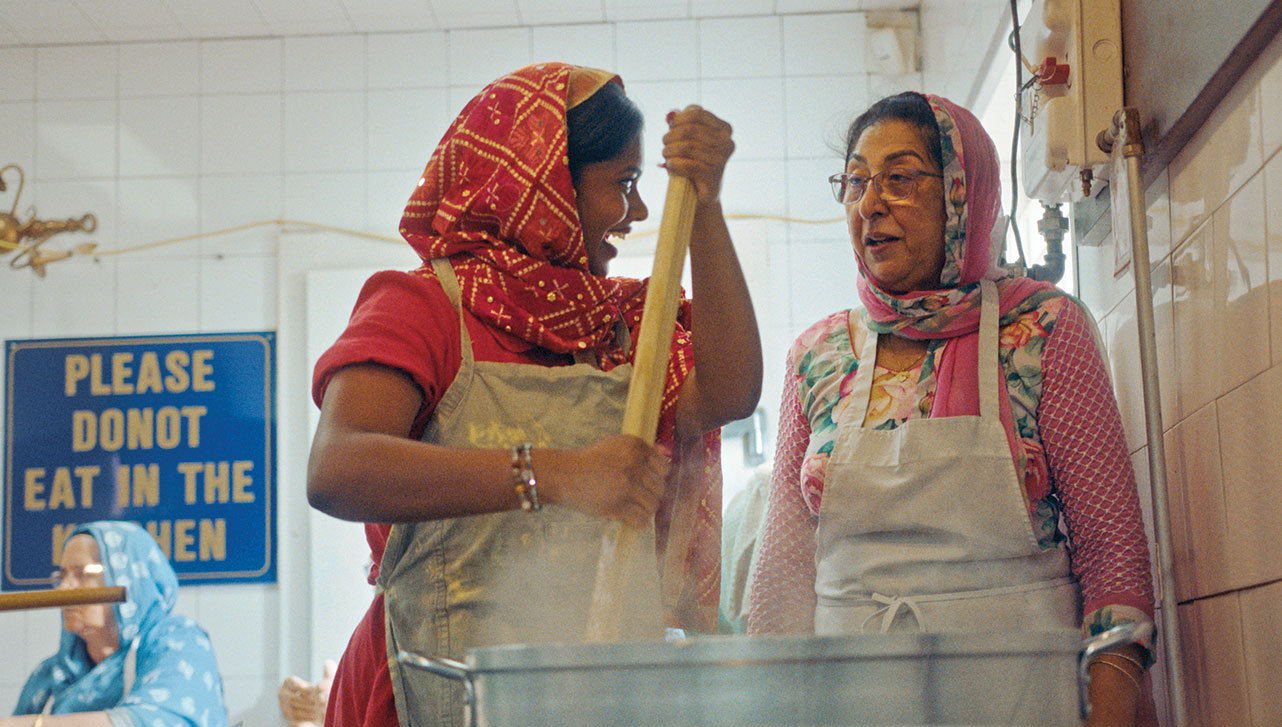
column 1025, row 679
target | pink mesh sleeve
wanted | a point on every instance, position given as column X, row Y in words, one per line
column 783, row 585
column 1085, row 445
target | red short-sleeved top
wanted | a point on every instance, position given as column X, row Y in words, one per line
column 406, row 321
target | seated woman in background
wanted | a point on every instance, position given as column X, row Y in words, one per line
column 131, row 664
column 893, row 506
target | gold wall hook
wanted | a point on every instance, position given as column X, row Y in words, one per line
column 26, row 238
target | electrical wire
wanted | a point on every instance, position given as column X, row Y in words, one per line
column 35, row 260
column 1014, row 142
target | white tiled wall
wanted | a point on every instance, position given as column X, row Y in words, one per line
column 1215, row 229
column 165, row 140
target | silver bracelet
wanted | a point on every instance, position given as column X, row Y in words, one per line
column 526, row 485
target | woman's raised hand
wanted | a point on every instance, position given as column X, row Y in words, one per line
column 619, row 478
column 697, row 146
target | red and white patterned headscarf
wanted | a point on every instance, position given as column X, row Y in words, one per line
column 496, row 198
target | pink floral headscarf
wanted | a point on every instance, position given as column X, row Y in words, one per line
column 972, row 189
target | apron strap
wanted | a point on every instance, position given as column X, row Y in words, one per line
column 987, row 353
column 445, row 274
column 861, row 388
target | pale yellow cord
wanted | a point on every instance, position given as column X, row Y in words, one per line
column 34, row 256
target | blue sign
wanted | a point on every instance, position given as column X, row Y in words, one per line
column 175, row 433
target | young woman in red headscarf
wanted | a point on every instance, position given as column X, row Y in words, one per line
column 950, row 456
column 503, row 362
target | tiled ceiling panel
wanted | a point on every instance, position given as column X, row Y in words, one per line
column 305, row 17
column 48, row 21
column 476, row 13
column 373, row 16
column 728, row 8
column 221, row 19
column 560, row 12
column 133, row 20
column 616, row 10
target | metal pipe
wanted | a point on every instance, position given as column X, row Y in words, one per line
column 1053, row 227
column 1126, row 128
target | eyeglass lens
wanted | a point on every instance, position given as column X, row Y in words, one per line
column 77, row 574
column 891, row 185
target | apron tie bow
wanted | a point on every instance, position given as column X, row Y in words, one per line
column 890, row 609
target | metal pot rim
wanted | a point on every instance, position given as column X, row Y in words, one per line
column 740, row 649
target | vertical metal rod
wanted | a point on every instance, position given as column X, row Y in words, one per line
column 1133, row 150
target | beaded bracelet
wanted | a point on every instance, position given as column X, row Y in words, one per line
column 523, row 478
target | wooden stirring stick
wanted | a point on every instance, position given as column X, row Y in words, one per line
column 645, row 394
column 59, row 598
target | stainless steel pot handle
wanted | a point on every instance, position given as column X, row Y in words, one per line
column 1128, row 633
column 450, row 669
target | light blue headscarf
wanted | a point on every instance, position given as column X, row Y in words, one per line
column 177, row 678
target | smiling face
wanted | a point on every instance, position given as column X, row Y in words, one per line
column 81, row 551
column 608, row 203
column 901, row 243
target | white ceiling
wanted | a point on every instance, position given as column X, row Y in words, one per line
column 44, row 22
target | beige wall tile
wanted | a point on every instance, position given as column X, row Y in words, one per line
column 1096, row 286
column 1185, row 561
column 1214, row 661
column 1220, row 158
column 1219, row 288
column 1144, row 487
column 1164, row 331
column 1193, row 659
column 1158, row 197
column 1097, row 283
column 1121, row 339
column 1250, row 425
column 1155, row 705
column 1240, row 273
column 1273, row 235
column 1269, row 66
column 1202, row 561
column 1120, row 329
column 1262, row 651
column 1194, row 323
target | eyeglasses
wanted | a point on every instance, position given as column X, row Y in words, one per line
column 892, row 184
column 78, row 574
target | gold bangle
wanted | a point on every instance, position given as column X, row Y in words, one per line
column 523, row 480
column 1123, row 657
column 40, row 719
column 1128, row 674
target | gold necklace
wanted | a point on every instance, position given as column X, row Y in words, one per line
column 898, row 367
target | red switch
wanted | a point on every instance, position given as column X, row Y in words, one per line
column 1052, row 72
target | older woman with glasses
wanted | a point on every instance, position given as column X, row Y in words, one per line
column 950, row 455
column 134, row 664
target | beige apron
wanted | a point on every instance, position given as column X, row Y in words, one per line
column 509, row 577
column 924, row 527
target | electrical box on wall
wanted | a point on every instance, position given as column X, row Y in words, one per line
column 1075, row 50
